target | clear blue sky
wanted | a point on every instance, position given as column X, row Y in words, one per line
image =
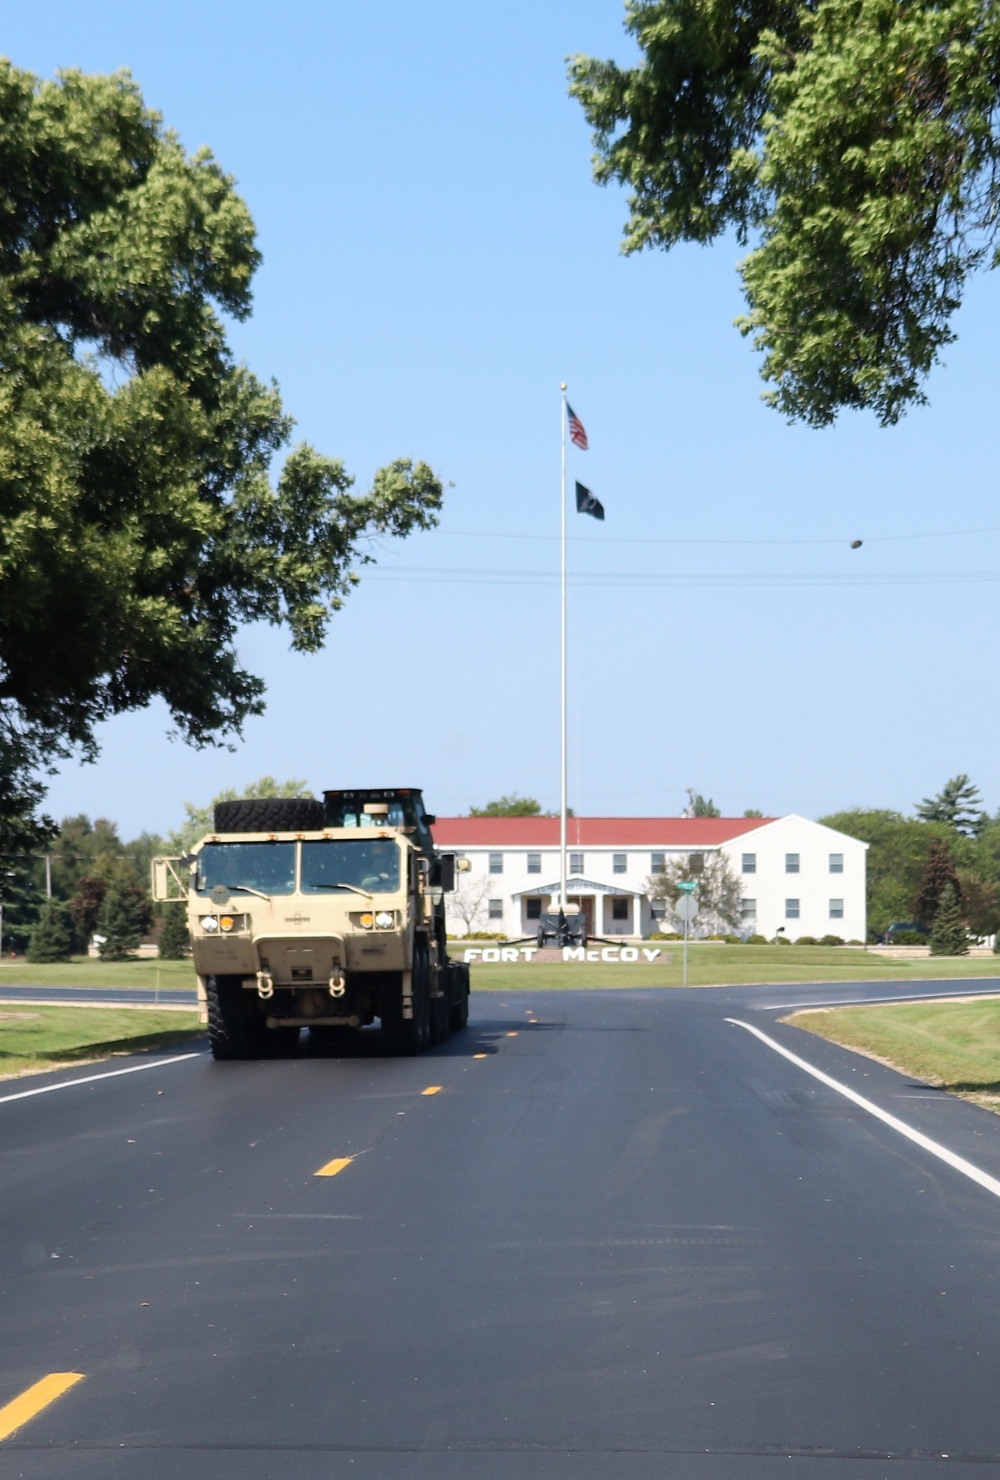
column 436, row 260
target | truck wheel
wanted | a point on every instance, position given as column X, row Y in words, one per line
column 269, row 814
column 409, row 1036
column 459, row 1015
column 440, row 1013
column 235, row 1031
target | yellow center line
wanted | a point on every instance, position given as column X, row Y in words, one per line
column 479, row 1056
column 432, row 1089
column 511, row 1035
column 333, row 1167
column 19, row 1410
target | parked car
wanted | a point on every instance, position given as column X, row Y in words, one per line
column 905, row 933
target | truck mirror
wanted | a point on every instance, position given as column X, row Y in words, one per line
column 447, row 872
column 463, row 865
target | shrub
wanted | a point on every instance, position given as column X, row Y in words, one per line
column 666, row 935
column 832, row 940
column 756, row 940
column 907, row 938
column 733, row 940
column 855, row 942
column 783, row 940
column 808, row 940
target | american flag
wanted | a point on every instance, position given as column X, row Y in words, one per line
column 577, row 435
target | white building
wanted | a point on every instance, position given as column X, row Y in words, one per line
column 798, row 876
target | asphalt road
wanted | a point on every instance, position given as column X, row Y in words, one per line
column 624, row 1238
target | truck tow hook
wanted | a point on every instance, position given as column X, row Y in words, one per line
column 338, row 985
column 265, row 985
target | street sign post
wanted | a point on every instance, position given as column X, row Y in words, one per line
column 685, row 909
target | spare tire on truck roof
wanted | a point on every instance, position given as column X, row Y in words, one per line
column 269, row 814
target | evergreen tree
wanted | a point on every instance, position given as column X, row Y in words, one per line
column 958, row 805
column 699, row 806
column 938, row 875
column 126, row 915
column 174, row 939
column 949, row 936
column 52, row 936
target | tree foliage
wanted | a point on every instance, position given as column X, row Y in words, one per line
column 509, row 806
column 200, row 820
column 699, row 806
column 949, row 936
column 958, row 805
column 939, row 874
column 174, row 940
column 719, row 893
column 52, row 935
column 855, row 142
column 139, row 523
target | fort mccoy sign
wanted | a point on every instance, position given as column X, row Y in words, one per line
column 627, row 954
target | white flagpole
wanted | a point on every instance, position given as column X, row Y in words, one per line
column 562, row 789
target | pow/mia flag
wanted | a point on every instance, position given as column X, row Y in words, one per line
column 586, row 503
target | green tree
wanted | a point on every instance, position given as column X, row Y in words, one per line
column 699, row 806
column 85, row 907
column 200, row 820
column 125, row 917
column 140, row 525
column 898, row 850
column 958, row 805
column 719, row 893
column 174, row 940
column 52, row 935
column 949, row 936
column 939, row 875
column 753, row 812
column 509, row 806
column 854, row 140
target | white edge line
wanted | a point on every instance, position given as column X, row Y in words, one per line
column 864, row 1001
column 48, row 1089
column 959, row 1163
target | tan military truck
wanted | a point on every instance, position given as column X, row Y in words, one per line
column 323, row 915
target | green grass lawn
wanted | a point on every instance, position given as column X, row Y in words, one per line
column 709, row 964
column 717, row 964
column 36, row 1038
column 83, row 972
column 952, row 1044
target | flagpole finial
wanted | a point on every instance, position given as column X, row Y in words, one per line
column 562, row 385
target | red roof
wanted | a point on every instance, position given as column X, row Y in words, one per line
column 592, row 832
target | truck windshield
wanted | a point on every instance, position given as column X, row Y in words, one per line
column 371, row 864
column 267, row 867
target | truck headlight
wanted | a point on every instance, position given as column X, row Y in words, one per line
column 384, row 920
column 209, row 923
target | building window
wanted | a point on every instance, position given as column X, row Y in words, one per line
column 496, row 909
column 619, row 863
column 791, row 863
column 619, row 908
column 496, row 863
column 534, row 863
column 836, row 863
column 791, row 909
column 748, row 909
column 749, row 863
column 657, row 863
column 836, row 909
column 534, row 909
column 576, row 863
column 658, row 908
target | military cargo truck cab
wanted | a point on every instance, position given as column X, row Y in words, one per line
column 326, row 915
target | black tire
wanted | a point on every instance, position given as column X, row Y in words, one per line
column 406, row 1037
column 269, row 814
column 440, row 1008
column 235, row 1026
column 459, row 1013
